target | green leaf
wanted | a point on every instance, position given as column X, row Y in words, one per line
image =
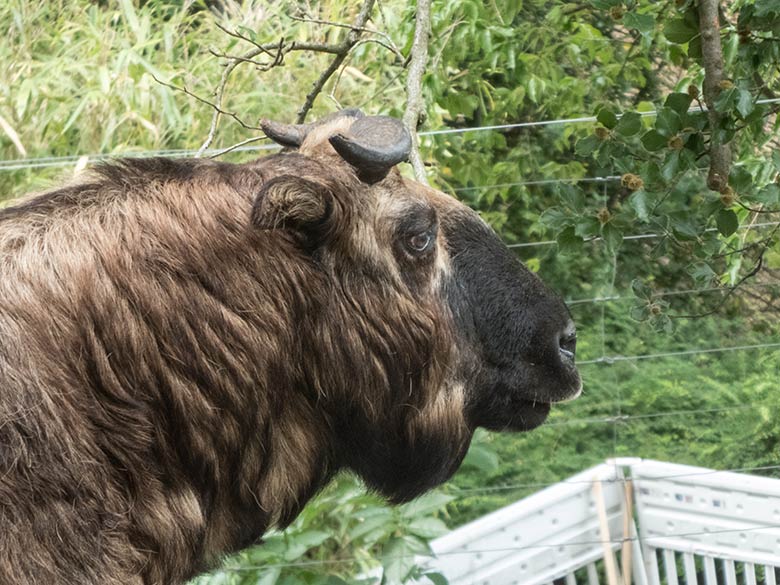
column 372, row 526
column 769, row 195
column 301, row 543
column 683, row 227
column 268, row 576
column 671, row 165
column 481, row 457
column 726, row 100
column 629, row 124
column 702, row 274
column 727, row 221
column 652, row 140
column 638, row 202
column 644, row 23
column 612, row 236
column 679, row 102
column 574, row 198
column 586, row 146
column 640, row 312
column 662, row 324
column 427, row 527
column 436, row 578
column 607, row 117
column 679, row 31
column 776, row 159
column 694, row 48
column 333, row 580
column 605, row 4
column 744, row 103
column 398, row 558
column 668, row 122
column 587, row 226
column 740, row 179
column 569, row 242
column 641, row 289
column 425, row 504
column 555, row 219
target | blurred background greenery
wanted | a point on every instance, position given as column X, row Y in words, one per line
column 84, row 78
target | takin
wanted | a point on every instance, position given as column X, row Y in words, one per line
column 191, row 349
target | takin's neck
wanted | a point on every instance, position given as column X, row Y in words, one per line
column 245, row 448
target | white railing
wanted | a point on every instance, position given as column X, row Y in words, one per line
column 707, row 526
column 659, row 523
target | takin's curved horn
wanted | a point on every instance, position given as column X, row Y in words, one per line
column 293, row 135
column 373, row 146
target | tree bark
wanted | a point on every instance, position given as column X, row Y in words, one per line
column 712, row 58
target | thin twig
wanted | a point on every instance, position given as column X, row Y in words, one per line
column 343, row 49
column 753, row 271
column 259, row 64
column 727, row 296
column 220, row 92
column 757, row 210
column 281, row 48
column 186, row 91
column 237, row 145
column 239, row 36
column 414, row 100
column 388, row 44
column 268, row 48
column 318, row 85
column 381, row 90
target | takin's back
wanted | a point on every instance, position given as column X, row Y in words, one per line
column 115, row 410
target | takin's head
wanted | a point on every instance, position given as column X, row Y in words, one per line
column 448, row 329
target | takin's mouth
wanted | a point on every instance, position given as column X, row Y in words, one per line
column 530, row 414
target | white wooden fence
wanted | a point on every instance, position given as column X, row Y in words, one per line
column 621, row 522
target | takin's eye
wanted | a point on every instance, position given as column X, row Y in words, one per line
column 416, row 234
column 421, row 243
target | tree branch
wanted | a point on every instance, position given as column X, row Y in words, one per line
column 730, row 291
column 414, row 101
column 342, row 50
column 388, row 42
column 768, row 241
column 238, row 145
column 712, row 58
column 216, row 107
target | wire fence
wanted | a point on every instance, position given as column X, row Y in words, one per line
column 518, row 548
column 649, row 236
column 54, row 161
column 673, row 293
column 616, row 418
column 611, row 359
column 463, row 492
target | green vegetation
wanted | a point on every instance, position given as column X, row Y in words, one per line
column 81, row 78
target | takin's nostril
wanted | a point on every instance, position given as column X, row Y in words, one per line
column 567, row 343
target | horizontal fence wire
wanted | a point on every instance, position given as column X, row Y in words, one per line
column 602, row 542
column 671, row 293
column 625, row 418
column 530, row 183
column 686, row 352
column 463, row 492
column 641, row 236
column 49, row 161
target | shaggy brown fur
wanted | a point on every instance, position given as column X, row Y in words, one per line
column 189, row 350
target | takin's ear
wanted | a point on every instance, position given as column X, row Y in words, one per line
column 292, row 203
